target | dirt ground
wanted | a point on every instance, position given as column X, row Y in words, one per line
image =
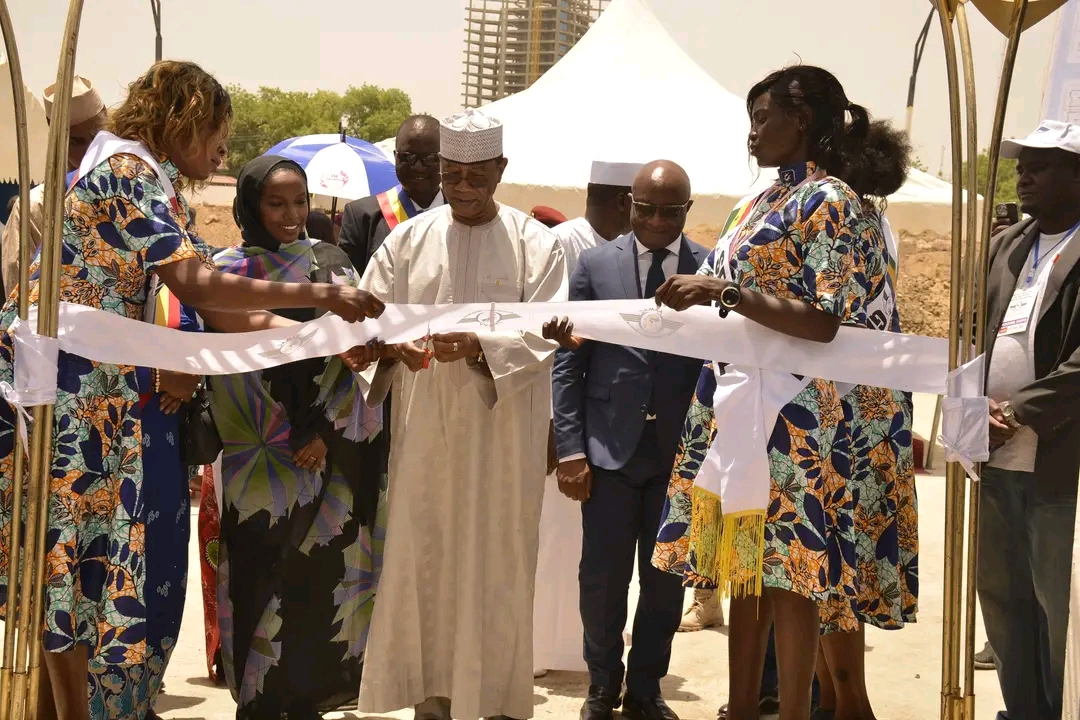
column 924, row 268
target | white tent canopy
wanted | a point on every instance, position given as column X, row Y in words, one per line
column 37, row 132
column 595, row 104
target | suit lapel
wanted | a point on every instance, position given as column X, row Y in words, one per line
column 689, row 262
column 628, row 266
column 1066, row 261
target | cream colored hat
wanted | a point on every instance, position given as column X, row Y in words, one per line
column 470, row 137
column 86, row 101
column 619, row 174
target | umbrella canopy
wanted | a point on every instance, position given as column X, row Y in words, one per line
column 347, row 168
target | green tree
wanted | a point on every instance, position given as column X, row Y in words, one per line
column 266, row 117
column 1005, row 190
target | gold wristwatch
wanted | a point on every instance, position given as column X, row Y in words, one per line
column 1010, row 416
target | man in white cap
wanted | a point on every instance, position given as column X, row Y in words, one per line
column 557, row 628
column 88, row 117
column 1028, row 488
column 452, row 630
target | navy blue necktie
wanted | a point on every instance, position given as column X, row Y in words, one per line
column 655, row 278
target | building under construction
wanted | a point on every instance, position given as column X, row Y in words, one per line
column 509, row 44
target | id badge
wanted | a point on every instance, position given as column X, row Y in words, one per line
column 1018, row 315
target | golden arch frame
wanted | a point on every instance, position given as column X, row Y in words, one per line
column 20, row 666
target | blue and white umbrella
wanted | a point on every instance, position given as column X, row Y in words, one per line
column 339, row 166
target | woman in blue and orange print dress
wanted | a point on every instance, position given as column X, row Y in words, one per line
column 123, row 224
column 802, row 256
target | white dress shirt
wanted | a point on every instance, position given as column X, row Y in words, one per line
column 645, row 258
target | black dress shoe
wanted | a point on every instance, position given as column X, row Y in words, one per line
column 600, row 703
column 653, row 708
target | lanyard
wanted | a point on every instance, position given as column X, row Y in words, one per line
column 1035, row 260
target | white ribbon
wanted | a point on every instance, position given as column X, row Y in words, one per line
column 965, row 417
column 857, row 356
column 747, row 402
column 35, row 375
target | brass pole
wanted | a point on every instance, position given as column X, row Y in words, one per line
column 1016, row 26
column 971, row 251
column 18, row 92
column 41, row 446
column 970, row 181
column 950, row 668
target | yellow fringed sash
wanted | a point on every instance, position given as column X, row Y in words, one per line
column 728, row 549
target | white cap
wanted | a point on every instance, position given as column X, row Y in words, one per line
column 1051, row 134
column 614, row 173
column 470, row 137
column 86, row 101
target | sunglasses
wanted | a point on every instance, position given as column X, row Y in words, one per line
column 667, row 212
column 476, row 179
column 426, row 159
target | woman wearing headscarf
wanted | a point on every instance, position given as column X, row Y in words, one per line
column 302, row 523
column 125, row 226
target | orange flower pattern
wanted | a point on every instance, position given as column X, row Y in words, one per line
column 119, row 225
column 810, row 240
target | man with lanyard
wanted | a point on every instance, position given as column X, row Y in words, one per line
column 1029, row 485
column 367, row 221
column 88, row 117
column 557, row 629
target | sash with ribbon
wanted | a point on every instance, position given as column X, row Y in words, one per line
column 396, row 206
column 731, row 491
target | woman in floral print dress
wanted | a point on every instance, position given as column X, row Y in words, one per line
column 802, row 257
column 302, row 526
column 121, row 227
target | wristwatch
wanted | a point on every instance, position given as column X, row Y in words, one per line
column 1010, row 416
column 730, row 297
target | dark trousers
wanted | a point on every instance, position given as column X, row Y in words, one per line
column 620, row 518
column 1025, row 563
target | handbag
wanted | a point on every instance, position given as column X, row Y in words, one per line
column 200, row 442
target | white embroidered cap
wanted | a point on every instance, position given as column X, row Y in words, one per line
column 470, row 137
column 618, row 174
column 1050, row 134
column 86, row 101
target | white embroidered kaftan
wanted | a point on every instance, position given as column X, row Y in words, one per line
column 557, row 628
column 453, row 614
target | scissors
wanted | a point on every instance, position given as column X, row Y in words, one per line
column 428, row 350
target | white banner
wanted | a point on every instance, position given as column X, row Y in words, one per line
column 1061, row 94
column 857, row 356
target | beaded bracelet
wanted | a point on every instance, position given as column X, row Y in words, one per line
column 155, row 381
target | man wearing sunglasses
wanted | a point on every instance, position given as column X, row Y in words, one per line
column 619, row 412
column 368, row 221
column 451, row 634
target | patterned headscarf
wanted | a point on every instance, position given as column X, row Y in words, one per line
column 249, row 187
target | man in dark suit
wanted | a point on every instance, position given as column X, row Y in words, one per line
column 1029, row 485
column 366, row 222
column 619, row 413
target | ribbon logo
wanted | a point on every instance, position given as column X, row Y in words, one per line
column 490, row 317
column 651, row 323
column 291, row 345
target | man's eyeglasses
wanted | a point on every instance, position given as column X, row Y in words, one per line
column 666, row 212
column 426, row 159
column 476, row 179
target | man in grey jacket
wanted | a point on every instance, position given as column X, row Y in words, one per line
column 1029, row 485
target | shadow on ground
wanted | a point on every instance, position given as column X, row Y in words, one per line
column 167, row 703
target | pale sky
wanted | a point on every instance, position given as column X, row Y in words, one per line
column 417, row 45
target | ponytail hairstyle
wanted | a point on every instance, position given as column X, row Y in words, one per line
column 871, row 157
